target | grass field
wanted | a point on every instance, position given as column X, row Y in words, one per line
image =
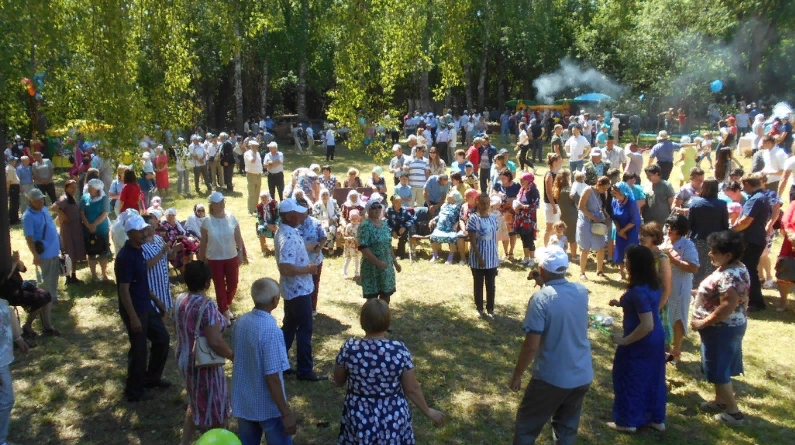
column 69, row 389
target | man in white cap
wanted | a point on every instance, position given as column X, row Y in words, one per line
column 214, row 168
column 253, row 174
column 296, row 279
column 45, row 246
column 274, row 163
column 596, row 167
column 140, row 316
column 556, row 343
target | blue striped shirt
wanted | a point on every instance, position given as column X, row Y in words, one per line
column 418, row 170
column 485, row 228
column 158, row 274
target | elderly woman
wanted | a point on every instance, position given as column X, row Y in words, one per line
column 267, row 220
column 482, row 228
column 193, row 225
column 157, row 252
column 377, row 181
column 591, row 226
column 525, row 223
column 639, row 363
column 720, row 318
column 626, row 217
column 327, row 211
column 507, row 190
column 378, row 384
column 172, row 232
column 683, row 257
column 651, row 236
column 400, row 222
column 378, row 264
column 353, row 181
column 197, row 316
column 708, row 214
column 445, row 226
column 72, row 240
column 222, row 248
column 94, row 211
column 115, row 187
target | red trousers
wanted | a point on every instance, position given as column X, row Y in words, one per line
column 224, row 281
column 316, row 279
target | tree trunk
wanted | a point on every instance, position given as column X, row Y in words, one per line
column 210, row 110
column 485, row 57
column 302, row 64
column 264, row 89
column 448, row 101
column 468, row 85
column 239, row 118
column 500, row 80
column 425, row 96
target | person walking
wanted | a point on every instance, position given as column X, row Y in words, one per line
column 253, row 175
column 274, row 163
column 556, row 343
column 143, row 322
column 296, row 280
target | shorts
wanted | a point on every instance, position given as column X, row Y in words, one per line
column 550, row 217
column 722, row 353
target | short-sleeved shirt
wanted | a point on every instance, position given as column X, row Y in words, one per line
column 635, row 164
column 290, row 249
column 259, row 349
column 657, row 196
column 311, row 231
column 719, row 282
column 221, row 244
column 559, row 314
column 6, row 334
column 38, row 225
column 404, row 191
column 757, row 207
column 25, row 174
column 436, row 191
column 418, row 169
column 130, row 268
column 485, row 229
column 43, row 171
column 616, row 156
column 774, row 161
column 279, row 156
column 664, row 151
column 575, row 147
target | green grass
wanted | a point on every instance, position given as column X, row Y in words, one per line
column 69, row 389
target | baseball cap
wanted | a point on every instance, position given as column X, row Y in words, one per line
column 469, row 165
column 135, row 223
column 291, row 205
column 552, row 259
column 216, row 197
column 36, row 195
column 596, row 152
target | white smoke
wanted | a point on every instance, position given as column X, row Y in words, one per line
column 571, row 76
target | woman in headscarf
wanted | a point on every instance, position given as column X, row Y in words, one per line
column 172, row 231
column 353, row 202
column 68, row 210
column 525, row 223
column 377, row 181
column 302, row 200
column 758, row 129
column 94, row 211
column 327, row 211
column 626, row 217
column 194, row 223
column 267, row 219
column 445, row 226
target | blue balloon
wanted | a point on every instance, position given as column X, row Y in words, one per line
column 716, row 86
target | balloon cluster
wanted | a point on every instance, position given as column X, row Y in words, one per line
column 34, row 86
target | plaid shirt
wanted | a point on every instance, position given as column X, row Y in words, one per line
column 399, row 219
column 259, row 351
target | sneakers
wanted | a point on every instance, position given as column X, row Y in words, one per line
column 712, row 407
column 462, row 263
column 769, row 284
column 621, row 429
column 736, row 419
column 531, row 262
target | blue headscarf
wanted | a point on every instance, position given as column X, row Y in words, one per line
column 626, row 190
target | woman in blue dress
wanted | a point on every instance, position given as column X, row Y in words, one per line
column 627, row 220
column 94, row 211
column 446, row 230
column 380, row 376
column 639, row 363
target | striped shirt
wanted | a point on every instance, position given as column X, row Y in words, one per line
column 158, row 274
column 485, row 227
column 418, row 172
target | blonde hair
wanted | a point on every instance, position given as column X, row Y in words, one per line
column 579, row 176
column 559, row 225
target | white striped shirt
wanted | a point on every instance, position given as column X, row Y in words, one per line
column 418, row 171
column 486, row 229
column 158, row 275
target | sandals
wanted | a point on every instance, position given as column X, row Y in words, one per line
column 29, row 332
column 712, row 407
column 51, row 332
column 600, row 274
column 583, row 277
column 621, row 429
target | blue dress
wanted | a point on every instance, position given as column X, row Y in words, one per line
column 624, row 214
column 375, row 410
column 445, row 232
column 639, row 368
column 586, row 239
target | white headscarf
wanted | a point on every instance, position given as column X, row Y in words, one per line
column 330, row 204
column 349, row 203
column 97, row 184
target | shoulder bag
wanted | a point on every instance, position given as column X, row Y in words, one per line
column 39, row 245
column 203, row 355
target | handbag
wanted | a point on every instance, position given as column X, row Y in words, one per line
column 599, row 229
column 785, row 269
column 203, row 355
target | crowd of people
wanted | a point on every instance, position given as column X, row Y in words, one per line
column 692, row 257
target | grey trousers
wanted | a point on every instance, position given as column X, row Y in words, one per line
column 6, row 401
column 543, row 401
column 50, row 271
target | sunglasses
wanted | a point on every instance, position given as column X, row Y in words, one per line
column 375, row 207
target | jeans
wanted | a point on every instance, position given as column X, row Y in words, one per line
column 13, row 204
column 575, row 166
column 254, row 186
column 751, row 256
column 505, row 135
column 251, row 432
column 489, row 277
column 6, row 401
column 537, row 150
column 276, row 183
column 183, row 187
column 542, row 401
column 297, row 323
column 205, row 177
column 152, row 329
column 225, row 277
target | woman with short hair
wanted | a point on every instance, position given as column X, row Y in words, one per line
column 378, row 384
column 327, row 211
column 353, row 181
column 720, row 318
column 72, row 241
column 131, row 196
column 328, row 180
column 94, row 211
column 196, row 316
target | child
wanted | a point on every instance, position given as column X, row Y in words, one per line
column 559, row 237
column 149, row 171
column 267, row 220
column 502, row 226
column 154, row 205
column 351, row 244
column 457, row 183
column 578, row 186
column 469, row 177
